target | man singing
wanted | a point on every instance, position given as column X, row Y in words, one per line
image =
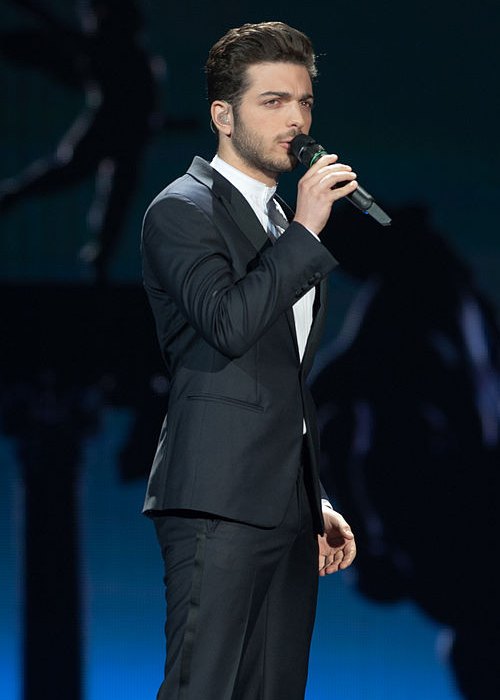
column 237, row 285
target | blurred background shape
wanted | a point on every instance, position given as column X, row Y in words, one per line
column 409, row 401
column 120, row 82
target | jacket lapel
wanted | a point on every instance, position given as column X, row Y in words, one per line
column 318, row 307
column 234, row 202
column 319, row 317
column 249, row 224
column 243, row 215
column 289, row 213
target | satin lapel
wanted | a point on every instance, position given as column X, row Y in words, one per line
column 242, row 214
column 248, row 223
column 318, row 323
column 289, row 213
column 318, row 308
column 293, row 330
column 234, row 202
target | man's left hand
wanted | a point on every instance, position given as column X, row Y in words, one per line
column 337, row 547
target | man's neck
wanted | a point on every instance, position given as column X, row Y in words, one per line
column 231, row 158
column 242, row 180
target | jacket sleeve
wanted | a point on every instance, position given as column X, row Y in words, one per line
column 185, row 256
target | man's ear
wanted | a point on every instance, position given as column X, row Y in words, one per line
column 222, row 116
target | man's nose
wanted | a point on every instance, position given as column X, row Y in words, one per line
column 296, row 116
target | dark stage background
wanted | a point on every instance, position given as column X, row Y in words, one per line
column 407, row 380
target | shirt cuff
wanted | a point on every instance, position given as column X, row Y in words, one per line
column 325, row 503
column 311, row 232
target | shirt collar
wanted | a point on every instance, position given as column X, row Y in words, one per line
column 254, row 191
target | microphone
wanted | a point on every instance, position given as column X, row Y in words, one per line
column 307, row 151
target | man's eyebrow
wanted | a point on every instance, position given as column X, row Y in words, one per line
column 288, row 95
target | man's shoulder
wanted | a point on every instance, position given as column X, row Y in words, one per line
column 194, row 185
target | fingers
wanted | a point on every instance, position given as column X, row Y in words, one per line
column 322, row 185
column 325, row 164
column 340, row 560
column 324, row 564
column 349, row 554
column 327, row 175
column 326, row 160
column 329, row 557
column 332, row 563
column 332, row 176
column 345, row 530
column 335, row 563
column 325, row 555
column 336, row 525
column 337, row 547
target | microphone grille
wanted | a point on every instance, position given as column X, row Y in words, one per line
column 302, row 147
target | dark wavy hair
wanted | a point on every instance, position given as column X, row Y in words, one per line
column 239, row 48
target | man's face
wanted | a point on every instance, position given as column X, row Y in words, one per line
column 275, row 107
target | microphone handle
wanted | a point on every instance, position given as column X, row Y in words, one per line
column 361, row 199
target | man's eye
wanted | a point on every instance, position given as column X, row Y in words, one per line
column 272, row 102
column 308, row 105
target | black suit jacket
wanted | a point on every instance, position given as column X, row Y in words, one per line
column 222, row 299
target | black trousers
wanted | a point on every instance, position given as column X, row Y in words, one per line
column 241, row 602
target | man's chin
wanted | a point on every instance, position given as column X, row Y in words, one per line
column 287, row 164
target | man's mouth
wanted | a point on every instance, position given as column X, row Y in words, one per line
column 285, row 143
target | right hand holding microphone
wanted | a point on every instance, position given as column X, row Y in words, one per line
column 322, row 185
